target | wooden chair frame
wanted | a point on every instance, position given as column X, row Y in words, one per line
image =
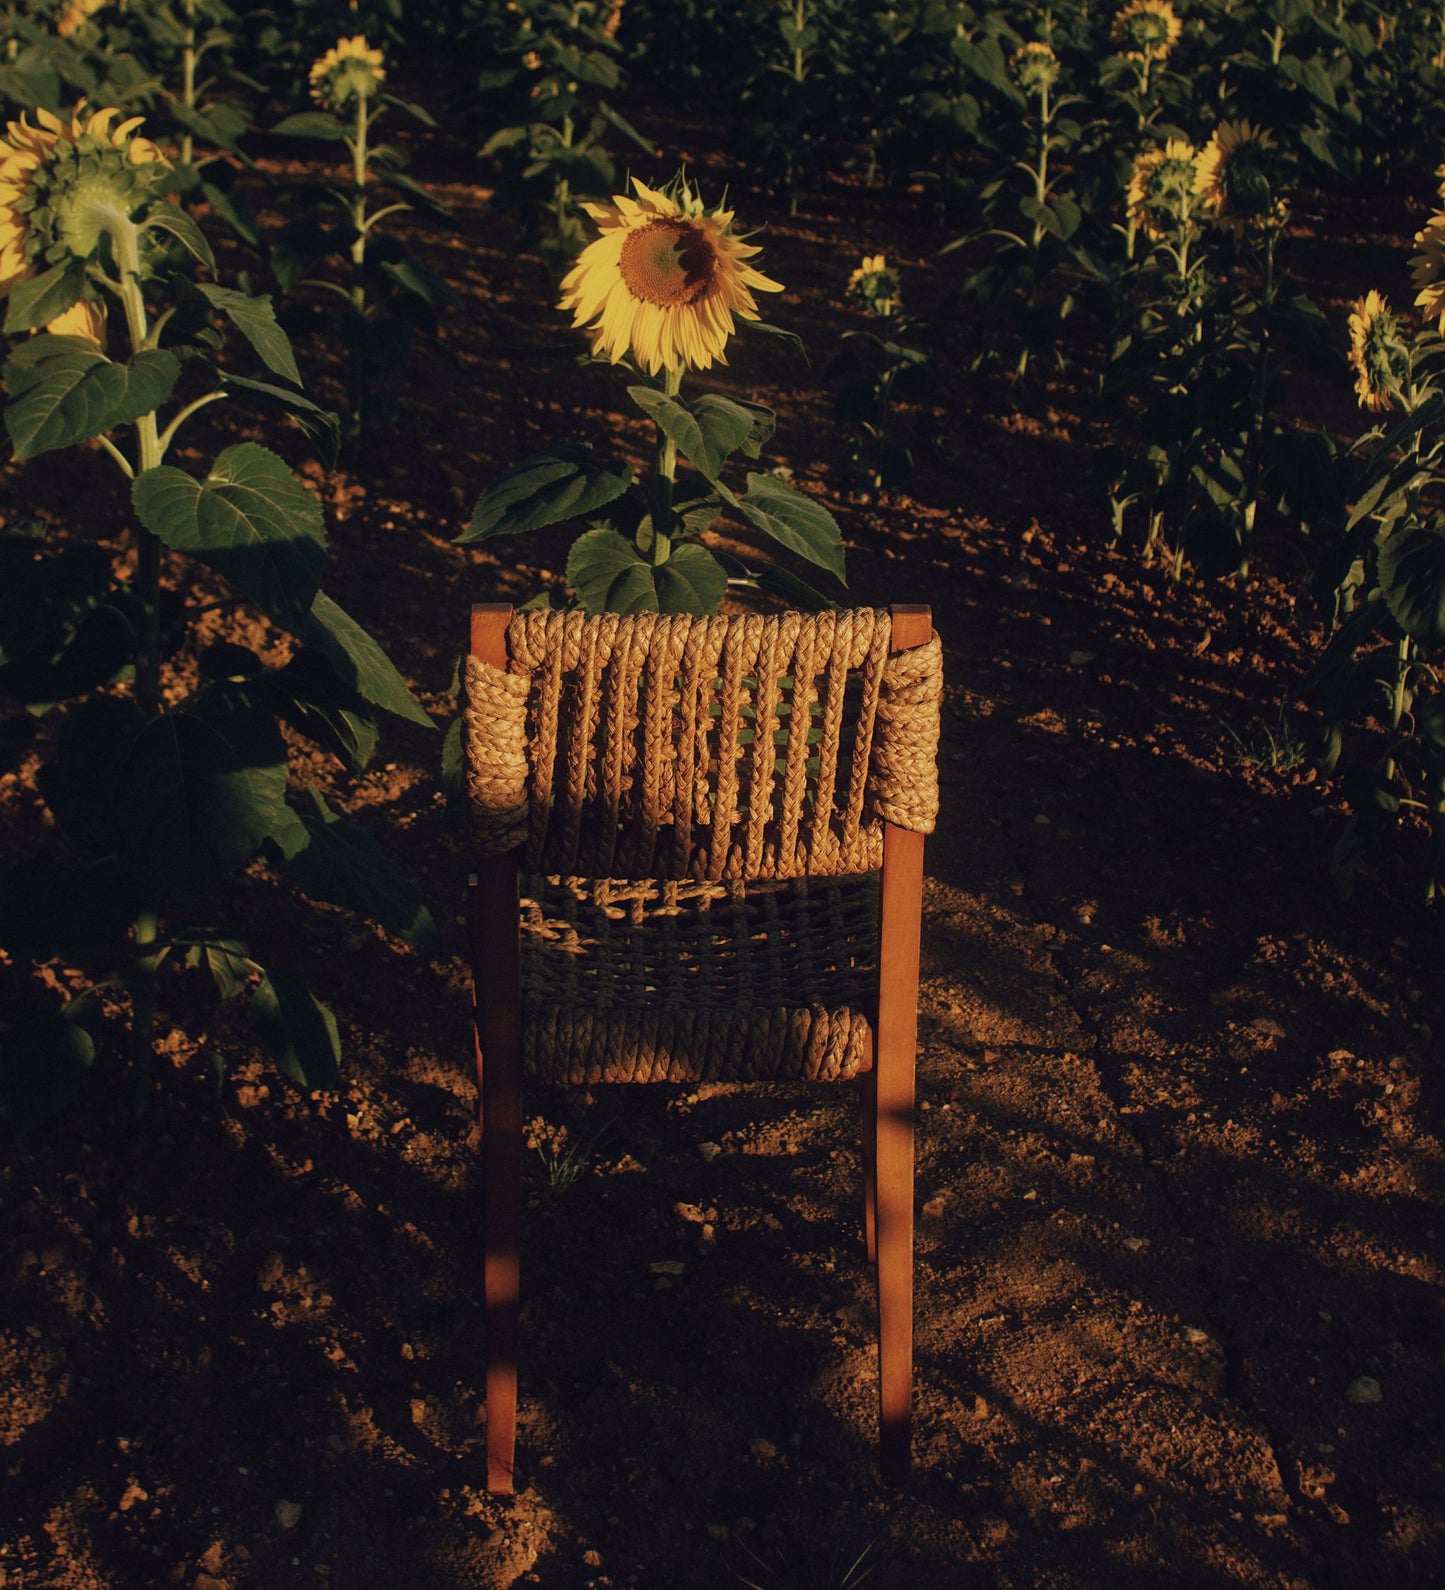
column 888, row 1106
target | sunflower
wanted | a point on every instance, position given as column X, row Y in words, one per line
column 1428, row 269
column 1036, row 67
column 348, row 71
column 875, row 286
column 76, row 15
column 664, row 280
column 1376, row 353
column 1161, row 187
column 61, row 185
column 1147, row 29
column 1232, row 175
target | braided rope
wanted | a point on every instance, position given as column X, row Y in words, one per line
column 904, row 781
column 672, row 982
column 683, row 747
column 494, row 725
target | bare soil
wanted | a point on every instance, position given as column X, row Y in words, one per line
column 1179, row 1152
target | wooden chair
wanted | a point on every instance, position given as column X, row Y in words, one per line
column 718, row 826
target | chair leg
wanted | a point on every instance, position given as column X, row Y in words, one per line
column 894, row 1060
column 870, row 1164
column 499, row 1078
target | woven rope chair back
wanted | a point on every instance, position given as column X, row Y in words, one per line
column 674, row 747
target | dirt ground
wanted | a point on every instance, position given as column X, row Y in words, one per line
column 1179, row 1153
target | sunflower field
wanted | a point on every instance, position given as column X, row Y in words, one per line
column 1114, row 331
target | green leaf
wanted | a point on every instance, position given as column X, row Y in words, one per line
column 298, row 1029
column 610, row 576
column 416, row 112
column 234, row 211
column 546, row 489
column 64, row 389
column 358, row 661
column 309, row 695
column 706, row 431
column 691, row 581
column 250, row 519
column 599, row 566
column 343, row 864
column 227, row 960
column 255, row 319
column 39, row 300
column 196, row 792
column 793, row 520
column 425, row 283
column 170, row 218
column 321, row 425
column 311, row 124
column 1412, row 580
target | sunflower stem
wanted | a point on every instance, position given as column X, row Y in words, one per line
column 145, row 931
column 126, row 238
column 358, row 260
column 188, row 79
column 665, row 477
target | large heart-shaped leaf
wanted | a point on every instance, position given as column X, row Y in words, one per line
column 563, row 484
column 358, row 661
column 64, row 389
column 1412, row 581
column 250, row 519
column 610, row 576
column 792, row 520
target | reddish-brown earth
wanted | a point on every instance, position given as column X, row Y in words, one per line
column 1179, row 1148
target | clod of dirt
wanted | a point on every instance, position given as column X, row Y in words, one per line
column 1365, row 1389
column 288, row 1514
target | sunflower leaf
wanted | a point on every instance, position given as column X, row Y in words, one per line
column 250, row 519
column 255, row 319
column 793, row 520
column 310, row 124
column 706, row 432
column 171, row 218
column 64, row 389
column 605, row 569
column 39, row 300
column 546, row 489
column 359, row 662
column 1412, row 581
column 299, row 1030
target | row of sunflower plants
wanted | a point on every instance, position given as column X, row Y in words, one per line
column 337, row 268
column 157, row 742
column 1380, row 678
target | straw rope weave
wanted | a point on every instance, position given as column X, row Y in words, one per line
column 670, row 746
column 689, row 755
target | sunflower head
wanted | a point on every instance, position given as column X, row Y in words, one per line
column 1146, row 29
column 1428, row 269
column 664, row 280
column 76, row 15
column 1377, row 355
column 1236, row 178
column 62, row 186
column 874, row 286
column 1160, row 197
column 1036, row 67
column 349, row 70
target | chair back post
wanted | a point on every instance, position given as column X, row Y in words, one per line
column 893, row 1084
column 498, row 992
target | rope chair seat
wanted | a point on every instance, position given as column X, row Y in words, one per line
column 698, row 982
